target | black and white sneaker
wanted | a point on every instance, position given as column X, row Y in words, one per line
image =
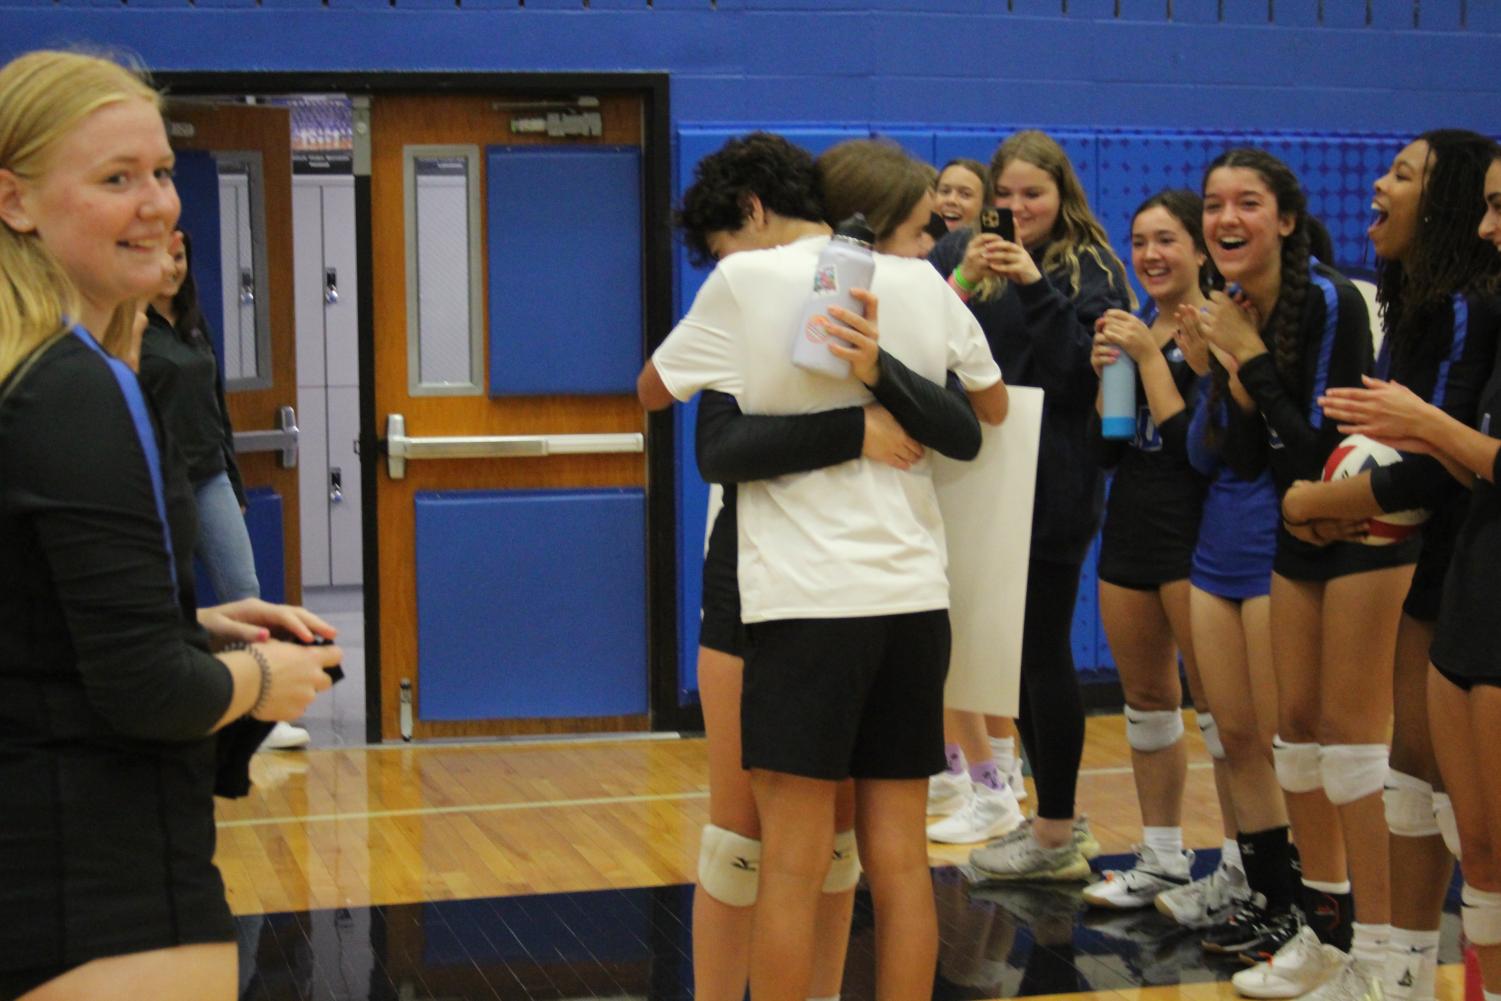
column 1253, row 931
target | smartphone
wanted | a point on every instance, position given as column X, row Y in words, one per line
column 936, row 227
column 1000, row 222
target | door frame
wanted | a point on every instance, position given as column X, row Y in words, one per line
column 663, row 669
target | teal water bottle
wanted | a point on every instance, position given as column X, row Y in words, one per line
column 1118, row 391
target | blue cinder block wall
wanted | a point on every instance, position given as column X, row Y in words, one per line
column 929, row 73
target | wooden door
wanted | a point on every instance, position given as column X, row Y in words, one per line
column 400, row 128
column 256, row 404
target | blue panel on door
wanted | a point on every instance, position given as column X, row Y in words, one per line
column 196, row 176
column 564, row 269
column 531, row 603
column 263, row 521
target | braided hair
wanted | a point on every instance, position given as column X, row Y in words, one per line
column 1446, row 255
column 1280, row 330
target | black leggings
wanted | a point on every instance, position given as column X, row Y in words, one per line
column 1052, row 712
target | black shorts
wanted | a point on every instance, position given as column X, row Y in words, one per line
column 1426, row 594
column 721, row 628
column 1464, row 683
column 14, row 983
column 1303, row 561
column 840, row 698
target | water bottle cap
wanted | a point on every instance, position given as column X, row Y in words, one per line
column 855, row 228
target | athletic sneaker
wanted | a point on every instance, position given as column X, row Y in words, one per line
column 1084, row 838
column 990, row 813
column 1297, row 968
column 1139, row 885
column 286, row 737
column 1022, row 858
column 1208, row 900
column 948, row 792
column 1253, row 931
column 1356, row 982
column 1408, row 970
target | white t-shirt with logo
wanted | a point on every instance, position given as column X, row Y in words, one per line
column 856, row 539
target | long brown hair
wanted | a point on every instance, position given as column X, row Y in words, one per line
column 874, row 177
column 1076, row 231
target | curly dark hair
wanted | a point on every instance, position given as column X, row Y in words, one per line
column 763, row 164
column 1447, row 254
column 1188, row 208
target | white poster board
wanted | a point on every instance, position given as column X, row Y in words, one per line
column 987, row 519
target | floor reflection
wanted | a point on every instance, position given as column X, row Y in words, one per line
column 996, row 941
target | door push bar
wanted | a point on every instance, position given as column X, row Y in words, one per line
column 283, row 439
column 400, row 448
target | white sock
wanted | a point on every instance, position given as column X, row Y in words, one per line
column 1314, row 884
column 831, row 997
column 1003, row 750
column 1492, row 995
column 1230, row 855
column 1369, row 945
column 1405, row 942
column 1165, row 841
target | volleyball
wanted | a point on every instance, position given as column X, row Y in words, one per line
column 1358, row 454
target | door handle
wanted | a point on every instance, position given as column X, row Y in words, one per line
column 400, row 448
column 247, row 288
column 284, row 439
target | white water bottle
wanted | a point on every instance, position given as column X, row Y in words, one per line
column 846, row 262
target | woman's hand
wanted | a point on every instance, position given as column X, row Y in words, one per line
column 298, row 674
column 1323, row 531
column 1190, row 339
column 1104, row 353
column 251, row 620
column 1231, row 327
column 976, row 264
column 886, row 442
column 1386, row 411
column 1128, row 333
column 856, row 341
column 1011, row 260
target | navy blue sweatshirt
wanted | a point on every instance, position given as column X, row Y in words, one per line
column 1041, row 335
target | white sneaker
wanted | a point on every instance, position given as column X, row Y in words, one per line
column 1295, row 969
column 1023, row 858
column 1409, row 971
column 1139, row 885
column 1356, row 982
column 285, row 737
column 1084, row 838
column 1017, row 780
column 1208, row 900
column 990, row 813
column 948, row 792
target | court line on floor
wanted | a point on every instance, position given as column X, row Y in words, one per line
column 541, row 804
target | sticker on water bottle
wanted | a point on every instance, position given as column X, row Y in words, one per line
column 825, row 279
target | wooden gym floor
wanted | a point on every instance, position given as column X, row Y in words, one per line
column 562, row 869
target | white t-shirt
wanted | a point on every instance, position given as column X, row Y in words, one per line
column 859, row 538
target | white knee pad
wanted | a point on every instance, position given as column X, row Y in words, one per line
column 1409, row 806
column 1352, row 771
column 1210, row 730
column 844, row 871
column 1443, row 819
column 729, row 866
column 1150, row 730
column 1481, row 913
column 1297, row 766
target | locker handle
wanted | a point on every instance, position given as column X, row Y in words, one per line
column 283, row 439
column 400, row 448
column 331, row 286
column 335, row 485
column 247, row 288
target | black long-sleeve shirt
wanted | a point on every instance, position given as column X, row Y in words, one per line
column 95, row 645
column 181, row 376
column 734, row 447
column 1041, row 335
column 1334, row 350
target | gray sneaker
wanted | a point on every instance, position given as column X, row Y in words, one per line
column 1022, row 858
column 1208, row 900
column 1084, row 838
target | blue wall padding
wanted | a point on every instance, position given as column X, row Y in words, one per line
column 692, row 511
column 502, row 579
column 197, row 179
column 263, row 521
column 565, row 266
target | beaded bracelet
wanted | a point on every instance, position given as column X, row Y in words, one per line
column 265, row 667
